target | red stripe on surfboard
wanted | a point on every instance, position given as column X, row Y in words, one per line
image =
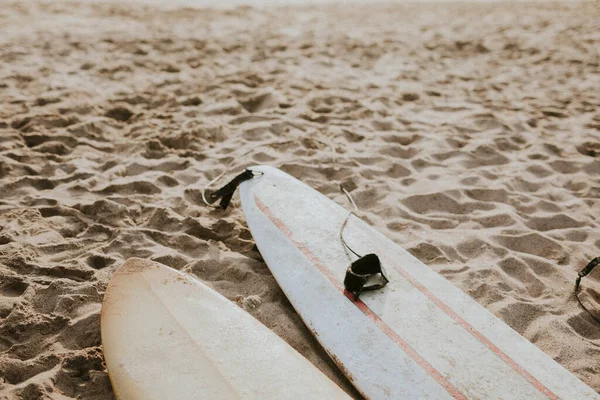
column 469, row 328
column 412, row 353
column 443, row 306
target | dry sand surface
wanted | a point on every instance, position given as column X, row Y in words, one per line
column 467, row 133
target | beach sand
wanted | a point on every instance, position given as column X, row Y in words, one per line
column 467, row 133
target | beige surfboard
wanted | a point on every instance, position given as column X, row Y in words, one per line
column 166, row 335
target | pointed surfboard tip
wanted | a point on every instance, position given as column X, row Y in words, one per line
column 135, row 265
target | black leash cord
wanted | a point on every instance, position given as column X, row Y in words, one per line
column 226, row 192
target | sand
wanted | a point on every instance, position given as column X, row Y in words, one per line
column 469, row 134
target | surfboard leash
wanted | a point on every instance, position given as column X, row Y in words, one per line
column 584, row 272
column 226, row 192
column 230, row 165
column 349, row 196
column 361, row 270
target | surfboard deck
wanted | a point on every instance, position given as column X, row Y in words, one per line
column 166, row 335
column 420, row 337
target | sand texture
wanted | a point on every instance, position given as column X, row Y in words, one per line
column 469, row 134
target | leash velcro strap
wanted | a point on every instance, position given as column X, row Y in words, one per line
column 359, row 272
column 584, row 272
column 226, row 192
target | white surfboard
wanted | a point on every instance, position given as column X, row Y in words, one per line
column 420, row 337
column 168, row 336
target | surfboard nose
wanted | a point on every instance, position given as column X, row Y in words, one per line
column 258, row 171
column 134, row 264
